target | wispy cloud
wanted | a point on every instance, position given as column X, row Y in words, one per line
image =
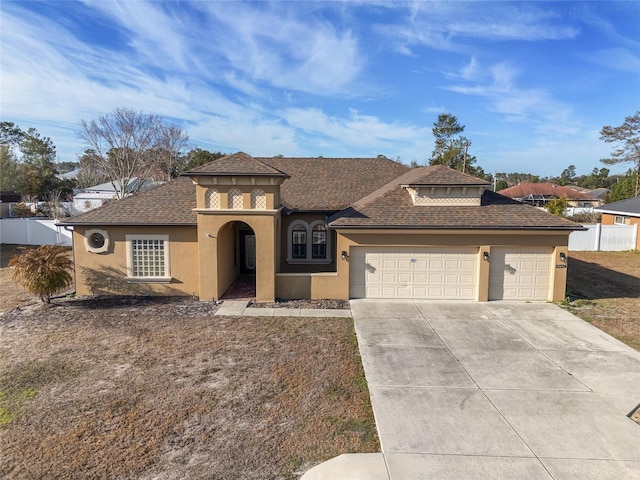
column 619, row 59
column 448, row 25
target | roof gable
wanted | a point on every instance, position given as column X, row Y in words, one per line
column 392, row 207
column 439, row 175
column 238, row 164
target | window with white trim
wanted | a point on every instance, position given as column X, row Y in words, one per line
column 308, row 243
column 234, row 199
column 258, row 200
column 148, row 257
column 212, row 198
column 619, row 220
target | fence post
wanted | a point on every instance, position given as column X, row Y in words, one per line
column 598, row 234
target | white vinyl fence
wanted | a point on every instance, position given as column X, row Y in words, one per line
column 609, row 238
column 33, row 231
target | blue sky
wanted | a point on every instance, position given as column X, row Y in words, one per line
column 533, row 82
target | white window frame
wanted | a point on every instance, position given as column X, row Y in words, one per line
column 619, row 220
column 167, row 263
column 309, row 253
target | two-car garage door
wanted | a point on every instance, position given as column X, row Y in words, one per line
column 413, row 272
column 442, row 273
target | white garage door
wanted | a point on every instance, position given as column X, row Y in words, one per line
column 413, row 272
column 519, row 273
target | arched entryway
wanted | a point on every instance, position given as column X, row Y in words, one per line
column 237, row 261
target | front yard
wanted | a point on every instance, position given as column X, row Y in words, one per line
column 604, row 289
column 163, row 389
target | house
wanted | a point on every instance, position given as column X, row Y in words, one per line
column 624, row 212
column 322, row 228
column 538, row 194
column 7, row 199
column 97, row 195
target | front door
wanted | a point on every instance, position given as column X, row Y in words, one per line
column 247, row 252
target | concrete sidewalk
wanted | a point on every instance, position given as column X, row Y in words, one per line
column 239, row 308
column 494, row 390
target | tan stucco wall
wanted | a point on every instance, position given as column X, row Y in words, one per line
column 338, row 286
column 105, row 273
column 245, row 184
column 216, row 246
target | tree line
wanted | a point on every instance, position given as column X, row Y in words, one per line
column 120, row 146
column 125, row 144
column 452, row 149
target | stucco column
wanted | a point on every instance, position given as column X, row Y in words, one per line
column 482, row 294
column 559, row 267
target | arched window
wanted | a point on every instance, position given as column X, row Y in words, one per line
column 212, row 198
column 258, row 200
column 319, row 242
column 299, row 242
column 235, row 199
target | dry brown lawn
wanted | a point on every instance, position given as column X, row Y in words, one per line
column 163, row 389
column 604, row 289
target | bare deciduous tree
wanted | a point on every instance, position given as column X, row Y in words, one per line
column 127, row 144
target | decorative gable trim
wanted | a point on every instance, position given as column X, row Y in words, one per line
column 446, row 195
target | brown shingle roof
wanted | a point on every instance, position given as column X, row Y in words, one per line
column 545, row 189
column 315, row 184
column 392, row 206
column 331, row 184
column 237, row 164
column 440, row 175
column 168, row 204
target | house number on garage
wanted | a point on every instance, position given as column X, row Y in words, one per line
column 562, row 265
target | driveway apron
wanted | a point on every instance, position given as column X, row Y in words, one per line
column 498, row 390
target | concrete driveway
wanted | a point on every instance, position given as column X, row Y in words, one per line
column 495, row 390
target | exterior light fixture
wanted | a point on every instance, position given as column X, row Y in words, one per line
column 563, row 257
column 485, row 255
column 344, row 255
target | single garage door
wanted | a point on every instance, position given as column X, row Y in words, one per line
column 413, row 272
column 519, row 273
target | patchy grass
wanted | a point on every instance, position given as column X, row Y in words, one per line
column 161, row 388
column 603, row 288
column 12, row 294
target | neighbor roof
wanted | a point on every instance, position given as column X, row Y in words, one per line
column 391, row 206
column 630, row 206
column 545, row 189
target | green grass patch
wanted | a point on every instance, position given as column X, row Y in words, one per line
column 22, row 383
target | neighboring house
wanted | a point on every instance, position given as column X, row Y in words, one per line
column 322, row 228
column 624, row 212
column 72, row 175
column 7, row 199
column 96, row 196
column 539, row 194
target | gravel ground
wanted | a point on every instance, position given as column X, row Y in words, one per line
column 320, row 304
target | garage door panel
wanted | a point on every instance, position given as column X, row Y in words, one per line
column 519, row 273
column 413, row 272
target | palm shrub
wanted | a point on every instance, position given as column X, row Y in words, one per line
column 43, row 271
